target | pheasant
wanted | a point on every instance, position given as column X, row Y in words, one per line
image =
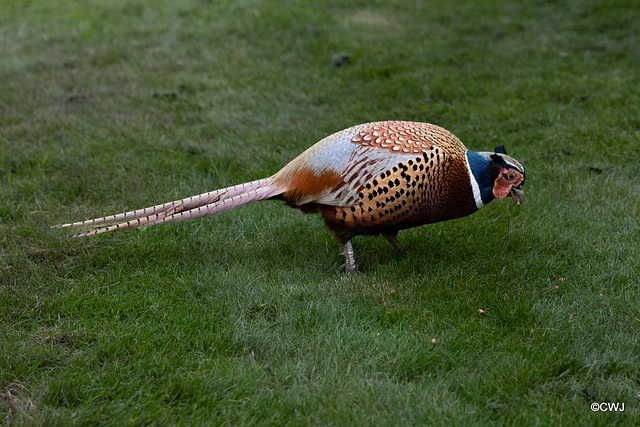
column 373, row 178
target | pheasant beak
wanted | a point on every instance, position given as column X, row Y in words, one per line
column 517, row 194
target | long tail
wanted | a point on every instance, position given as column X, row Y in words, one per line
column 199, row 206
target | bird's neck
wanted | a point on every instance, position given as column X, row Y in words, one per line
column 482, row 173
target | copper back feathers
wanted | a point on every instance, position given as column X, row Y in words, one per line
column 408, row 137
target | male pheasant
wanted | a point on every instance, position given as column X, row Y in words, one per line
column 373, row 178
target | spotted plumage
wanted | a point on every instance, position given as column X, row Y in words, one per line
column 374, row 178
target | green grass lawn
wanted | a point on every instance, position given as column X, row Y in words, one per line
column 244, row 317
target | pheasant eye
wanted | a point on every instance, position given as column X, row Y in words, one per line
column 511, row 176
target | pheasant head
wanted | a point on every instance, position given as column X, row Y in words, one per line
column 495, row 175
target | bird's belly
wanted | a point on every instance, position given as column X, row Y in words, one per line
column 397, row 214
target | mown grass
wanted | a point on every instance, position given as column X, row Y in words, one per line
column 244, row 318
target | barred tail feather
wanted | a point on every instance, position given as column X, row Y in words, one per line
column 202, row 205
column 175, row 206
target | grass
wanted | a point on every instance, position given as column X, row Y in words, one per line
column 244, row 317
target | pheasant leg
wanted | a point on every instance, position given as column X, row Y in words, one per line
column 350, row 260
column 393, row 240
